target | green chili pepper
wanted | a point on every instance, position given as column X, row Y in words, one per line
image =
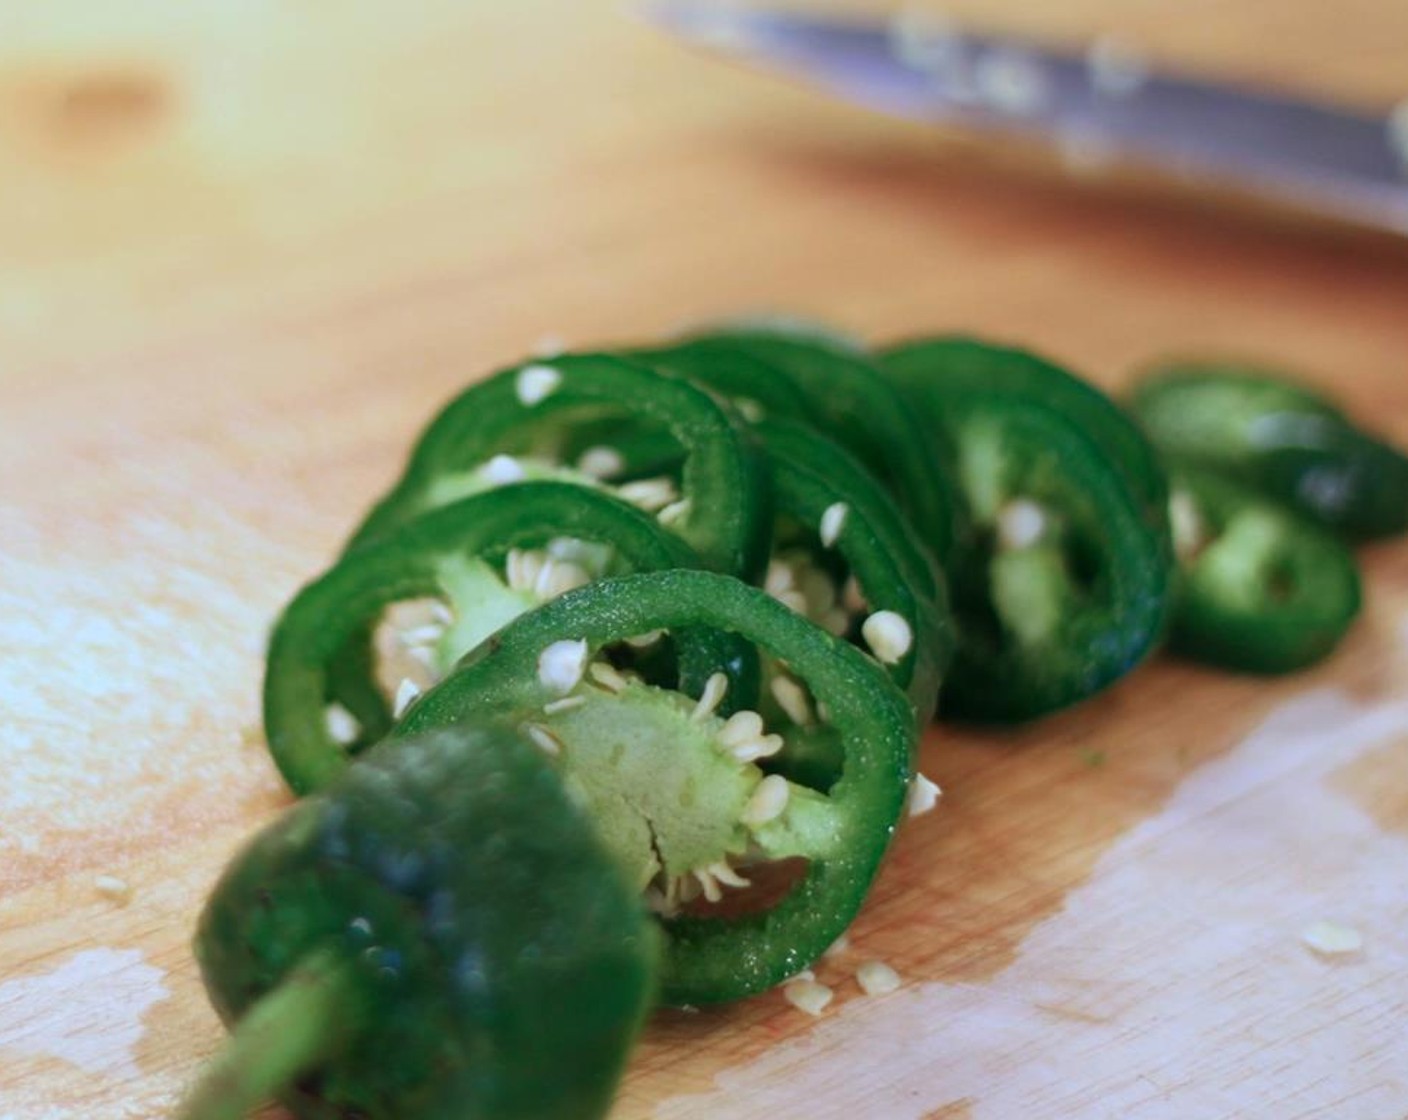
column 1061, row 581
column 973, row 366
column 847, row 398
column 439, row 934
column 1280, row 438
column 847, row 558
column 1261, row 589
column 675, row 790
column 515, row 423
column 464, row 554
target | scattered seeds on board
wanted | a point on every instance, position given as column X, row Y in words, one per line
column 876, row 978
column 923, row 795
column 1331, row 939
column 807, row 995
column 112, row 888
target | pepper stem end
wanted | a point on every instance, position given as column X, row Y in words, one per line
column 312, row 1013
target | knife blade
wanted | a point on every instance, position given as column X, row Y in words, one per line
column 1101, row 106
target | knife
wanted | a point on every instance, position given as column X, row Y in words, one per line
column 1100, row 107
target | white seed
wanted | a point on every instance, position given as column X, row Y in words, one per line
column 876, row 978
column 342, row 725
column 545, row 740
column 1186, row 524
column 923, row 795
column 793, row 600
column 567, row 703
column 841, row 945
column 522, row 568
column 768, row 802
column 674, row 512
column 111, row 887
column 441, row 612
column 726, row 875
column 422, row 655
column 646, row 640
column 780, row 577
column 561, row 664
column 503, row 469
column 649, row 494
column 534, row 383
column 833, row 520
column 765, row 746
column 852, row 598
column 686, row 888
column 559, row 577
column 805, row 974
column 1116, row 69
column 1020, row 524
column 708, row 884
column 715, row 688
column 607, row 676
column 741, row 727
column 791, row 697
column 1331, row 939
column 406, row 693
column 601, row 462
column 425, row 635
column 807, row 995
column 818, row 588
column 888, row 635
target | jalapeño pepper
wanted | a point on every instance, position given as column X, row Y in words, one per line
column 1061, row 580
column 839, row 531
column 972, row 365
column 491, row 557
column 515, row 424
column 848, row 399
column 1261, row 589
column 439, row 934
column 1280, row 438
column 675, row 789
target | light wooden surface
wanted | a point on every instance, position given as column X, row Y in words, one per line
column 247, row 247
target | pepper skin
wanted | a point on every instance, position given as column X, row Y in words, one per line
column 320, row 650
column 438, row 935
column 1061, row 582
column 723, row 499
column 971, row 365
column 875, row 542
column 849, row 399
column 1261, row 589
column 1282, row 439
column 712, row 959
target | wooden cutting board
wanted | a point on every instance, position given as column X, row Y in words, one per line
column 247, row 248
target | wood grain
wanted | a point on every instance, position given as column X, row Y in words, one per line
column 247, row 248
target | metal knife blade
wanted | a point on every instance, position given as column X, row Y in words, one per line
column 1102, row 106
